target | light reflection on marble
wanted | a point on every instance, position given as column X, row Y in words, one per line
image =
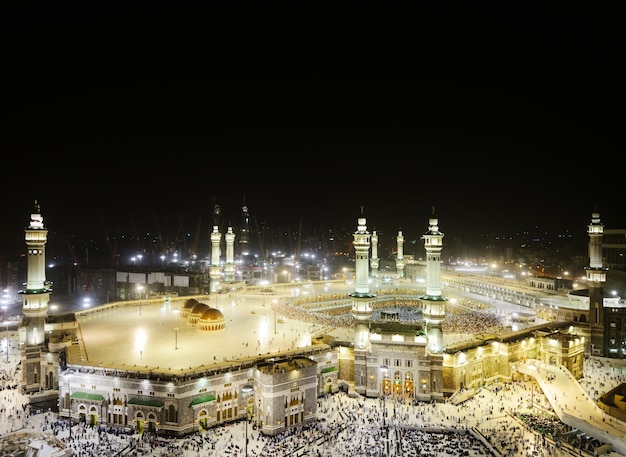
column 124, row 336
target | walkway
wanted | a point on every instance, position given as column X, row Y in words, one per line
column 573, row 406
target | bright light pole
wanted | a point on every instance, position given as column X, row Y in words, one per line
column 274, row 308
column 5, row 295
column 384, row 369
column 175, row 337
column 68, row 378
column 139, row 289
column 7, row 337
column 246, row 389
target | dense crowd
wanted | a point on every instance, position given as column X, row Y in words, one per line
column 457, row 320
column 500, row 419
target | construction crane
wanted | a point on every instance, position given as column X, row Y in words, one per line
column 196, row 240
column 159, row 234
column 260, row 237
column 299, row 243
column 112, row 248
column 85, row 281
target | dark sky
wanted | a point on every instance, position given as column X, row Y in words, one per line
column 502, row 117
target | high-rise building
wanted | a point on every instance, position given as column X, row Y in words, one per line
column 244, row 233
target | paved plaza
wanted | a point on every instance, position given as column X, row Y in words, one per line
column 153, row 334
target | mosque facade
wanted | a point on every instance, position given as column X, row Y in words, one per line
column 388, row 359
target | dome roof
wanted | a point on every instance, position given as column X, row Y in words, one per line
column 190, row 303
column 199, row 308
column 212, row 314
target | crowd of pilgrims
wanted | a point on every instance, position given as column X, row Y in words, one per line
column 497, row 420
column 458, row 320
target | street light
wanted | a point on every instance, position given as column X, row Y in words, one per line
column 7, row 324
column 384, row 369
column 274, row 308
column 246, row 389
column 175, row 337
column 139, row 289
column 4, row 318
column 68, row 377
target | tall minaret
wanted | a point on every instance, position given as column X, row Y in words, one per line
column 596, row 277
column 434, row 303
column 215, row 271
column 400, row 256
column 229, row 267
column 374, row 259
column 362, row 301
column 35, row 299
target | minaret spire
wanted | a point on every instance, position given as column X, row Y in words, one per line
column 35, row 299
column 362, row 301
column 596, row 277
column 400, row 256
column 374, row 260
column 215, row 270
column 434, row 302
column 229, row 267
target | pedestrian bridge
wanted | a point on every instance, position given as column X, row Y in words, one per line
column 573, row 406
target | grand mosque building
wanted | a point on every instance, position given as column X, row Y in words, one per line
column 175, row 365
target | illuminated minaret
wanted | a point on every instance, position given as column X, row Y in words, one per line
column 596, row 277
column 374, row 259
column 400, row 256
column 434, row 303
column 229, row 267
column 215, row 271
column 362, row 301
column 35, row 299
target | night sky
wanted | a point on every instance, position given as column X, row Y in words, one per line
column 504, row 119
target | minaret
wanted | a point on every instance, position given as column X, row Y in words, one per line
column 229, row 267
column 400, row 256
column 374, row 259
column 215, row 271
column 35, row 299
column 362, row 301
column 434, row 303
column 596, row 277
